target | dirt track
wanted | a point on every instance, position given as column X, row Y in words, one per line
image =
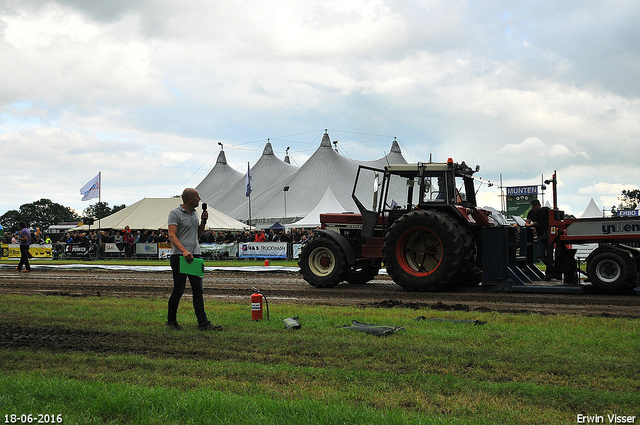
column 290, row 287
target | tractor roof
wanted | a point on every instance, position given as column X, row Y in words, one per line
column 412, row 170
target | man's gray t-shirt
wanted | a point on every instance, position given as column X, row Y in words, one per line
column 187, row 229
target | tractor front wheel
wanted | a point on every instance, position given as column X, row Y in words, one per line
column 322, row 263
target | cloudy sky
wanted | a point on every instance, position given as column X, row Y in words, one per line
column 143, row 90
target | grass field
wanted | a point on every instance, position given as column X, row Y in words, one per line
column 113, row 361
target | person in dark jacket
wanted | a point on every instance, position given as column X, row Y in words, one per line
column 25, row 241
column 538, row 217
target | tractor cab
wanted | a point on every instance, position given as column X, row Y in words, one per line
column 400, row 188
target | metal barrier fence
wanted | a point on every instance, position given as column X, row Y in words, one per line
column 162, row 250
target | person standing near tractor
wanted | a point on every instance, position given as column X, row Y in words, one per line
column 538, row 217
column 185, row 231
column 25, row 242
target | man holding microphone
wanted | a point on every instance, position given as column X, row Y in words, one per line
column 184, row 233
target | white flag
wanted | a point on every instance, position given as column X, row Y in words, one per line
column 91, row 189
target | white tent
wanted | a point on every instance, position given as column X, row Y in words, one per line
column 268, row 170
column 326, row 168
column 219, row 179
column 152, row 214
column 583, row 250
column 328, row 204
column 592, row 211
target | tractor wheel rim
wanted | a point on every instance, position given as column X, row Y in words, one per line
column 419, row 252
column 321, row 261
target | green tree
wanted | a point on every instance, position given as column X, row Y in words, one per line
column 117, row 208
column 42, row 213
column 10, row 221
column 629, row 200
column 100, row 210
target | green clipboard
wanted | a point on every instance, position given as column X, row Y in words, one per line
column 195, row 267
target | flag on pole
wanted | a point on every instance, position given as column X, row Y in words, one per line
column 91, row 189
column 248, row 180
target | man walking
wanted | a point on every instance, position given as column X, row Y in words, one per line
column 184, row 233
column 25, row 241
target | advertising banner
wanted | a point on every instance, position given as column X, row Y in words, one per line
column 220, row 250
column 263, row 250
column 628, row 213
column 164, row 250
column 73, row 250
column 112, row 248
column 147, row 249
column 519, row 199
column 296, row 250
column 12, row 251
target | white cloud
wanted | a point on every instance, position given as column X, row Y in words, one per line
column 603, row 188
column 150, row 87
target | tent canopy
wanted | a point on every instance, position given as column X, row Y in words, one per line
column 270, row 201
column 152, row 213
column 328, row 204
column 268, row 170
column 219, row 178
column 592, row 211
column 275, row 226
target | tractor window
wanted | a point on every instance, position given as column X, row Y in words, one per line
column 435, row 189
column 461, row 194
column 368, row 188
column 402, row 192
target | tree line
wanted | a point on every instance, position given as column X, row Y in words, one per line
column 629, row 201
column 45, row 213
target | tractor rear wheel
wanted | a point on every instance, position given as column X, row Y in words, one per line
column 424, row 251
column 322, row 263
column 608, row 270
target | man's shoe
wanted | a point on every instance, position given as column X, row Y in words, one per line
column 209, row 327
column 174, row 325
column 25, row 270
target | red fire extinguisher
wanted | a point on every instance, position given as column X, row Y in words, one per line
column 256, row 304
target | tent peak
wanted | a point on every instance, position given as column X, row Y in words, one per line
column 222, row 158
column 268, row 149
column 395, row 147
column 592, row 210
column 326, row 141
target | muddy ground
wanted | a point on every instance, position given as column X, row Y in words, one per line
column 290, row 287
column 279, row 287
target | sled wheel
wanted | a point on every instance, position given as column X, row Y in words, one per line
column 608, row 270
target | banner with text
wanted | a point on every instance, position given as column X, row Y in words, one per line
column 12, row 251
column 519, row 199
column 263, row 250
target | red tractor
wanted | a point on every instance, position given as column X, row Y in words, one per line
column 423, row 223
column 425, row 226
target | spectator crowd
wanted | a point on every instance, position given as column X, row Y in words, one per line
column 292, row 236
column 126, row 239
